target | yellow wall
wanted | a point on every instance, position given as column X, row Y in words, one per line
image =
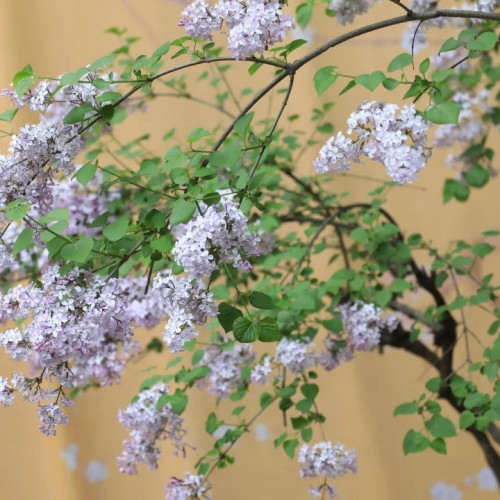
column 61, row 35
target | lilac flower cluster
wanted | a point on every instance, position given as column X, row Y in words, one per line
column 187, row 303
column 147, row 424
column 34, row 153
column 45, row 148
column 326, row 460
column 253, row 26
column 362, row 327
column 190, row 488
column 383, row 132
column 346, row 10
column 77, row 335
column 226, row 366
column 84, row 203
column 363, row 323
column 219, row 235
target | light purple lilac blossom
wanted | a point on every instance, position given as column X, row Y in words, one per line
column 253, row 26
column 187, row 303
column 219, row 235
column 147, row 424
column 190, row 488
column 383, row 132
column 326, row 460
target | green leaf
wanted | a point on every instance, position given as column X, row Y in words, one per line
column 440, row 426
column 107, row 112
column 310, row 391
column 75, row 115
column 177, row 401
column 400, row 62
column 406, row 409
column 245, row 331
column 212, row 424
column 348, row 87
column 162, row 50
column 390, row 83
column 439, row 446
column 197, row 134
column 306, row 434
column 150, row 382
column 414, row 442
column 261, row 300
column 485, row 41
column 450, row 44
column 155, row 219
column 382, row 297
column 241, row 126
column 446, row 112
column 299, row 423
column 79, row 250
column 467, row 419
column 117, row 229
column 482, row 249
column 424, row 65
column 86, row 173
column 455, row 189
column 23, row 241
column 303, row 14
column 370, row 81
column 325, row 78
column 268, row 330
column 289, row 446
column 8, row 115
column 399, row 285
column 265, row 400
column 182, row 211
column 433, row 384
column 163, row 244
column 227, row 316
column 477, row 176
column 19, row 210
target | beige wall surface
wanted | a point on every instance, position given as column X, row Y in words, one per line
column 61, row 35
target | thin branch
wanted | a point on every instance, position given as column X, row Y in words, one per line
column 269, row 136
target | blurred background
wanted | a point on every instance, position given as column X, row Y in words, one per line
column 56, row 36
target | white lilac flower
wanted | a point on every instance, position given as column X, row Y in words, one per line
column 326, row 460
column 50, row 416
column 77, row 332
column 220, row 235
column 225, row 368
column 189, row 488
column 336, row 154
column 363, row 324
column 295, row 355
column 346, row 10
column 187, row 303
column 383, row 132
column 261, row 371
column 84, row 203
column 253, row 26
column 264, row 24
column 199, row 20
column 35, row 152
column 6, row 392
column 147, row 424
